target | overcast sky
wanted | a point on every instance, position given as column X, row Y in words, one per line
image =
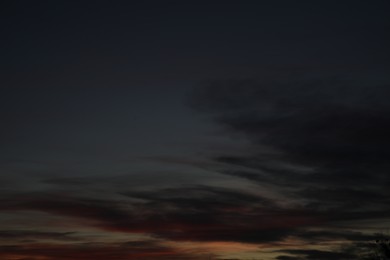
column 193, row 130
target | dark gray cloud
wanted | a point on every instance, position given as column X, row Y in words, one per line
column 320, row 141
column 316, row 254
column 335, row 122
column 184, row 214
column 201, row 198
column 198, row 213
column 357, row 250
column 336, row 127
column 31, row 234
column 145, row 250
column 92, row 111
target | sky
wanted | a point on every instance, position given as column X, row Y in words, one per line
column 199, row 130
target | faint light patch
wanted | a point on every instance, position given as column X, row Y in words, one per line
column 214, row 248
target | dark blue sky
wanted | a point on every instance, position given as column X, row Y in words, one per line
column 237, row 129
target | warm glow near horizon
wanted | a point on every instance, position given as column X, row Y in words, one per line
column 188, row 130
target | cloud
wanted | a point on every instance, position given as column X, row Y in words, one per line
column 143, row 250
column 184, row 214
column 315, row 254
column 197, row 214
column 332, row 235
column 324, row 134
column 218, row 214
column 201, row 213
column 320, row 147
column 32, row 234
column 321, row 142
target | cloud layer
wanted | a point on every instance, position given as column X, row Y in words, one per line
column 314, row 169
column 320, row 141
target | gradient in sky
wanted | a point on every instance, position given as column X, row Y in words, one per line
column 191, row 130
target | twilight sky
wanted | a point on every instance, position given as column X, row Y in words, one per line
column 193, row 130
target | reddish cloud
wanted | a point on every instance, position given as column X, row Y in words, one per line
column 143, row 250
column 208, row 218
